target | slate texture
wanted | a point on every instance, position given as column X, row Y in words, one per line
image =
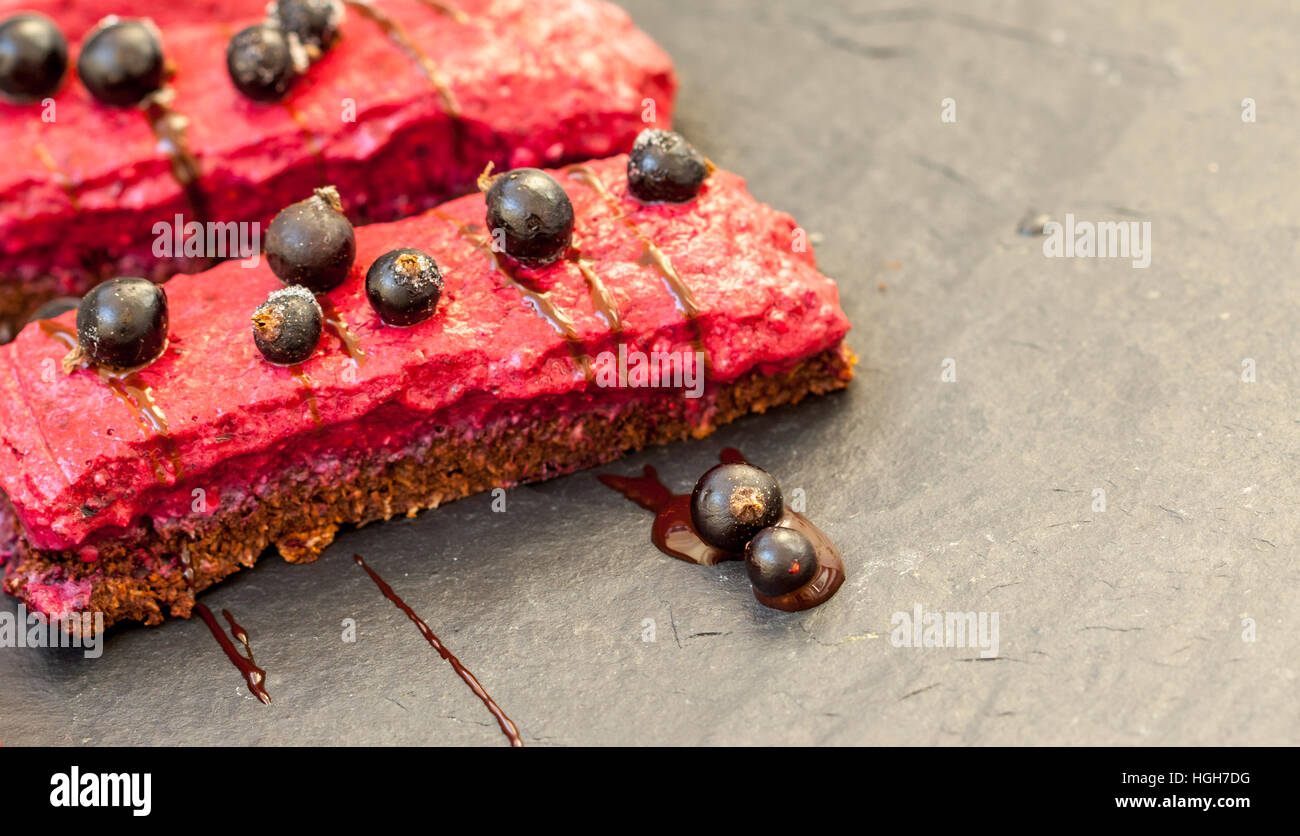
column 1127, row 625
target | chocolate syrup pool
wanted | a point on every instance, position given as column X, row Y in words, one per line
column 675, row 535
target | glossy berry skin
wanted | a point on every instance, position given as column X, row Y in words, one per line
column 287, row 327
column 403, row 287
column 33, row 58
column 664, row 168
column 261, row 63
column 733, row 502
column 311, row 243
column 315, row 22
column 122, row 63
column 122, row 324
column 531, row 211
column 780, row 560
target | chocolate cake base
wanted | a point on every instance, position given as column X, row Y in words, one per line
column 158, row 572
column 18, row 299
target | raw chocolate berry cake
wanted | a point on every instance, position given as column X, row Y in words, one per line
column 224, row 113
column 552, row 323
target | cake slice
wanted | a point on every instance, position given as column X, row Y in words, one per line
column 128, row 495
column 404, row 110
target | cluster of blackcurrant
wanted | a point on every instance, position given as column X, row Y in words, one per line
column 738, row 507
column 534, row 217
column 265, row 59
column 120, row 63
column 311, row 247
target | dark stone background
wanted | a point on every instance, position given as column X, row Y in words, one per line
column 1117, row 627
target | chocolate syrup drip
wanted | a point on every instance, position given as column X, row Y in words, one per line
column 540, row 299
column 399, row 36
column 654, row 257
column 169, row 128
column 64, row 181
column 674, row 534
column 730, row 455
column 309, row 139
column 302, row 378
column 651, row 256
column 508, row 727
column 348, row 340
column 447, row 9
column 59, row 332
column 253, row 675
column 138, row 396
column 601, row 299
column 824, row 584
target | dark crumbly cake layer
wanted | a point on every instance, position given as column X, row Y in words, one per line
column 19, row 299
column 158, row 573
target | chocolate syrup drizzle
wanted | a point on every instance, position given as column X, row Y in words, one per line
column 447, row 9
column 309, row 138
column 399, row 36
column 348, row 340
column 302, row 378
column 601, row 299
column 247, row 665
column 508, row 727
column 169, row 128
column 138, row 396
column 651, row 256
column 65, row 182
column 539, row 299
column 674, row 534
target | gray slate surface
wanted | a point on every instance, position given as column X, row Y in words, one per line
column 1117, row 627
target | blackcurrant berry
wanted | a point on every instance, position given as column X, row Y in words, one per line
column 311, row 243
column 533, row 214
column 403, row 286
column 315, row 22
column 261, row 62
column 780, row 560
column 733, row 502
column 122, row 324
column 663, row 167
column 287, row 327
column 122, row 62
column 33, row 57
